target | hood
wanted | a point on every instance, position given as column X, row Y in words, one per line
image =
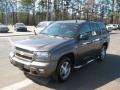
column 40, row 43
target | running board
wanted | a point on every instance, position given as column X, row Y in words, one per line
column 80, row 66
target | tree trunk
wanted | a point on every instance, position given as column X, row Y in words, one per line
column 28, row 18
column 39, row 13
column 13, row 17
column 2, row 17
column 47, row 14
column 112, row 17
column 33, row 12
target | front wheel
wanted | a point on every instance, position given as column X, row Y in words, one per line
column 102, row 53
column 63, row 70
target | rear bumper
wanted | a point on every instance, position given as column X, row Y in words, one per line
column 35, row 68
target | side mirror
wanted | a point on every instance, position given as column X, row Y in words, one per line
column 84, row 37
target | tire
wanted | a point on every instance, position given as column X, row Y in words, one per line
column 102, row 55
column 63, row 70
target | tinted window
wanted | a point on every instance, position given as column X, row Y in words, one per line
column 86, row 34
column 85, row 28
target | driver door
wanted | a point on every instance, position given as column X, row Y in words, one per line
column 84, row 49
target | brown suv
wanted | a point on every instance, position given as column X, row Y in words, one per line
column 59, row 48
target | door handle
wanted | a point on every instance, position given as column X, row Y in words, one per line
column 85, row 43
column 96, row 40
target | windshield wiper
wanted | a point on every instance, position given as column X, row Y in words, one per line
column 59, row 36
column 56, row 35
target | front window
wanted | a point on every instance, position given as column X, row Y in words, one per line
column 20, row 25
column 61, row 30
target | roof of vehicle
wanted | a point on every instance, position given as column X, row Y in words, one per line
column 19, row 23
column 76, row 21
column 71, row 21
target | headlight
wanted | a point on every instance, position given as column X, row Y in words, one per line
column 41, row 55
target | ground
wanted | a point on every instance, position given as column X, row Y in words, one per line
column 94, row 76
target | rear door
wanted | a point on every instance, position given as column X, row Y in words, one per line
column 96, row 37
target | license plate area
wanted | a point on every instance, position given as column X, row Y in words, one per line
column 22, row 67
column 19, row 65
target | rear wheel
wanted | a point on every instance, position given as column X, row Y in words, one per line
column 102, row 53
column 63, row 70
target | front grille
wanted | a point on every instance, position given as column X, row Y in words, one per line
column 21, row 49
column 23, row 54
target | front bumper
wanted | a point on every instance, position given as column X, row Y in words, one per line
column 43, row 69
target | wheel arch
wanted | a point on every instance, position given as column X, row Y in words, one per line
column 70, row 55
column 105, row 44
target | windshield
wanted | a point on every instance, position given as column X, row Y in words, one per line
column 20, row 24
column 61, row 30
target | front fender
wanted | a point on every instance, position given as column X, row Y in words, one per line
column 64, row 49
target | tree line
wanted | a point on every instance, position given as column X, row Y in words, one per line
column 31, row 12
